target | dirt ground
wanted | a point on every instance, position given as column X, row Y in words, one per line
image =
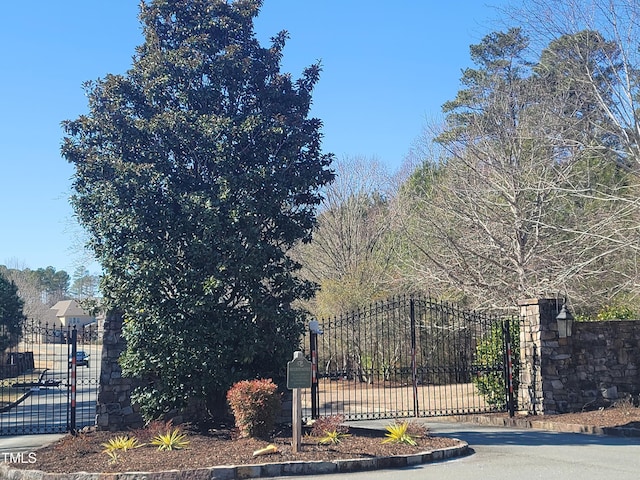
column 355, row 399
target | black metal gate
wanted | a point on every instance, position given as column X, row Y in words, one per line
column 410, row 357
column 49, row 379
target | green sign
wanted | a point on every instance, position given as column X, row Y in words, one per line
column 298, row 373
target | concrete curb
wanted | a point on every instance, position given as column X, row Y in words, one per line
column 537, row 424
column 252, row 471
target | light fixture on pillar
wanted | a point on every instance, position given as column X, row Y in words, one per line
column 565, row 322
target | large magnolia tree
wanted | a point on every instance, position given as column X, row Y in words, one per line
column 196, row 172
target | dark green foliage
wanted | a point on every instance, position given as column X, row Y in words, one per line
column 196, row 172
column 11, row 316
column 489, row 363
column 53, row 283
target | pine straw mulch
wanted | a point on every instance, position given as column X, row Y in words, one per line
column 217, row 446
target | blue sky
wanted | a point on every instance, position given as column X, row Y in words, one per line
column 387, row 69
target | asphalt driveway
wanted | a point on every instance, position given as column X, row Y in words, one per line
column 519, row 454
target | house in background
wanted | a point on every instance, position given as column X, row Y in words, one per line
column 65, row 316
column 69, row 313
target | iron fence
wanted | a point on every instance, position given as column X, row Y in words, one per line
column 42, row 388
column 410, row 357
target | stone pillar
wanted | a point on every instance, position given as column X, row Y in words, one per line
column 540, row 385
column 114, row 410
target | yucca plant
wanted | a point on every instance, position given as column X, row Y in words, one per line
column 171, row 440
column 123, row 443
column 333, row 437
column 398, row 433
column 113, row 457
column 119, row 443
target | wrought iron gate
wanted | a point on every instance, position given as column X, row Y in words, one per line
column 42, row 389
column 410, row 357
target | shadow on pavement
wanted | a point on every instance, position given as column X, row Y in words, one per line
column 534, row 438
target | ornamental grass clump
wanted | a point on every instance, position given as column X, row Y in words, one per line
column 399, row 433
column 171, row 440
column 255, row 405
column 333, row 438
column 123, row 443
column 120, row 444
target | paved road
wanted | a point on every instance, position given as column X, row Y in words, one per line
column 45, row 410
column 515, row 454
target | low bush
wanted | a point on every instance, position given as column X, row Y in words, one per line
column 330, row 430
column 255, row 405
column 615, row 312
column 333, row 423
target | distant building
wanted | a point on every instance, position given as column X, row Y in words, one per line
column 69, row 313
column 65, row 316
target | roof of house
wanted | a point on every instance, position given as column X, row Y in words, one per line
column 69, row 308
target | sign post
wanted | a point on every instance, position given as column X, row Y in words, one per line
column 298, row 377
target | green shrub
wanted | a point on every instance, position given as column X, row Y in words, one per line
column 615, row 312
column 255, row 405
column 607, row 312
column 489, row 360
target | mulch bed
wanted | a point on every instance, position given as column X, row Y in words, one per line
column 84, row 452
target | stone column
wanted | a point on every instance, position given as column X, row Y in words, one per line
column 540, row 385
column 114, row 410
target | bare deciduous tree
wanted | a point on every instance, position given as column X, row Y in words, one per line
column 503, row 214
column 351, row 248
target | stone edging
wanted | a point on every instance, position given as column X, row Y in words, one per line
column 252, row 471
column 550, row 426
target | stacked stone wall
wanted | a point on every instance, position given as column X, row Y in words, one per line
column 596, row 366
column 114, row 408
column 604, row 363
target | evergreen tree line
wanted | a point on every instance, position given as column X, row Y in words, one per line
column 42, row 288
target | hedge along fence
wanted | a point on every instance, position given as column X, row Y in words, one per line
column 490, row 351
column 596, row 366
